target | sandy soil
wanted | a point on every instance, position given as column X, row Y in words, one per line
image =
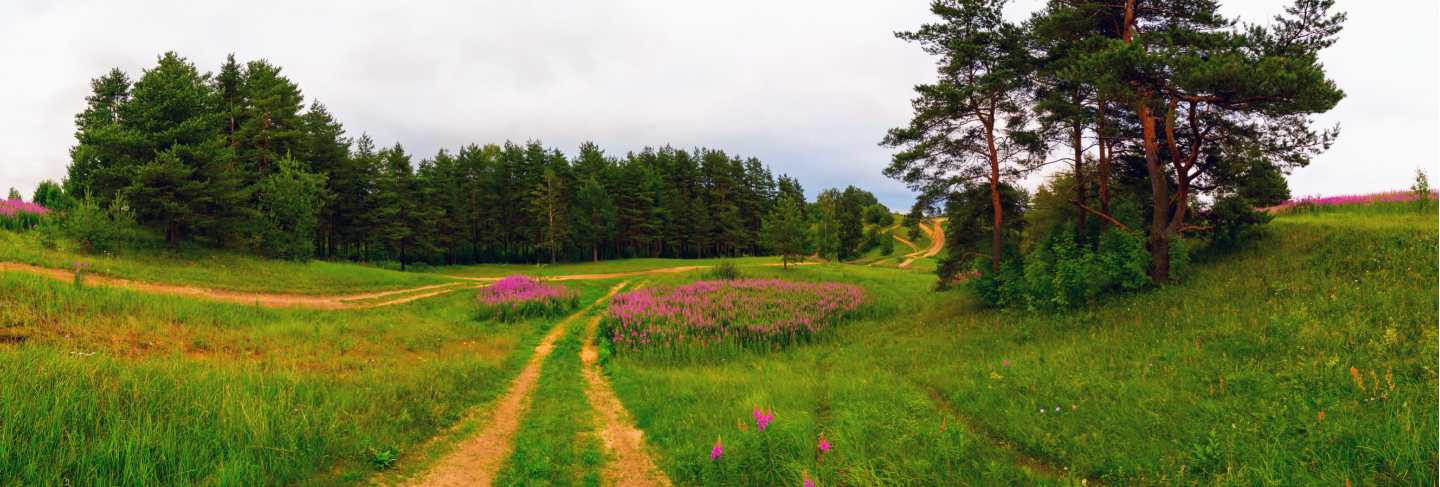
column 630, row 462
column 937, row 243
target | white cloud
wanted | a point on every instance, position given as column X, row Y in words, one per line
column 807, row 86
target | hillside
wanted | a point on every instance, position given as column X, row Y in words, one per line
column 1319, row 359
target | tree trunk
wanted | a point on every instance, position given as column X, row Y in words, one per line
column 994, row 197
column 1104, row 160
column 1077, row 139
column 1160, row 196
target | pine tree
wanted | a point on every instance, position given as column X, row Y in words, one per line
column 271, row 125
column 784, row 231
column 103, row 151
column 595, row 216
column 291, row 199
column 970, row 124
column 548, row 207
column 395, row 203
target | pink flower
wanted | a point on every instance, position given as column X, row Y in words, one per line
column 717, row 450
column 1005, row 363
column 763, row 418
column 824, row 444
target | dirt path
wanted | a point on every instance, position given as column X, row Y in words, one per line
column 328, row 302
column 476, row 460
column 272, row 300
column 1035, row 465
column 630, row 463
column 937, row 243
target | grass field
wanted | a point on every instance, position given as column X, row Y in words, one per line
column 1315, row 365
column 601, row 267
column 215, row 269
column 112, row 387
column 1307, row 358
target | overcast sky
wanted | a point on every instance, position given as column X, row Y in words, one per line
column 809, row 87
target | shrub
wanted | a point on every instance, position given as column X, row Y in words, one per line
column 100, row 230
column 1233, row 220
column 725, row 271
column 519, row 297
column 1057, row 272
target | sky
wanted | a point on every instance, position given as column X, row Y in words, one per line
column 809, row 87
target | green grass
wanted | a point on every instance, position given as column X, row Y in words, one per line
column 557, row 444
column 216, row 269
column 601, row 267
column 1220, row 379
column 105, row 386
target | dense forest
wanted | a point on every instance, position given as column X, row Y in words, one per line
column 237, row 160
column 1171, row 122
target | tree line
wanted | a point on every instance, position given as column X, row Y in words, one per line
column 1171, row 122
column 237, row 160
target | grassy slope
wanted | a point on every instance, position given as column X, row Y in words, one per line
column 601, row 267
column 106, row 386
column 220, row 270
column 1220, row 379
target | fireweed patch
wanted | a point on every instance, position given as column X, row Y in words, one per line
column 20, row 215
column 520, row 297
column 708, row 316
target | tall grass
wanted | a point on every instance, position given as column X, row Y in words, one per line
column 1308, row 358
column 107, row 387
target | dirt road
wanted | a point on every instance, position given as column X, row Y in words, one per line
column 476, row 460
column 937, row 243
column 329, row 302
column 630, row 463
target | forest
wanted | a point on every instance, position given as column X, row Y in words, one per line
column 236, row 160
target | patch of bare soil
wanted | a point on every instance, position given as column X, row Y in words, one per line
column 937, row 243
column 630, row 463
column 270, row 300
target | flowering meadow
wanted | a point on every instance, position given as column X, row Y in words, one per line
column 20, row 215
column 1352, row 199
column 519, row 297
column 705, row 316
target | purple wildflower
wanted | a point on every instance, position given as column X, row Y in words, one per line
column 763, row 418
column 823, row 444
column 717, row 450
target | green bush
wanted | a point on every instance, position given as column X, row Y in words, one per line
column 725, row 270
column 1058, row 272
column 105, row 230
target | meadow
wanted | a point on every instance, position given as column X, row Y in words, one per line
column 108, row 386
column 1315, row 364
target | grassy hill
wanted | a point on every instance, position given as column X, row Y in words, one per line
column 1307, row 358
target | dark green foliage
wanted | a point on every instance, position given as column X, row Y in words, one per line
column 194, row 155
column 724, row 271
column 14, row 194
column 103, row 229
column 878, row 214
column 1233, row 221
column 290, row 198
column 51, row 195
column 971, row 221
column 1059, row 273
column 784, row 230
